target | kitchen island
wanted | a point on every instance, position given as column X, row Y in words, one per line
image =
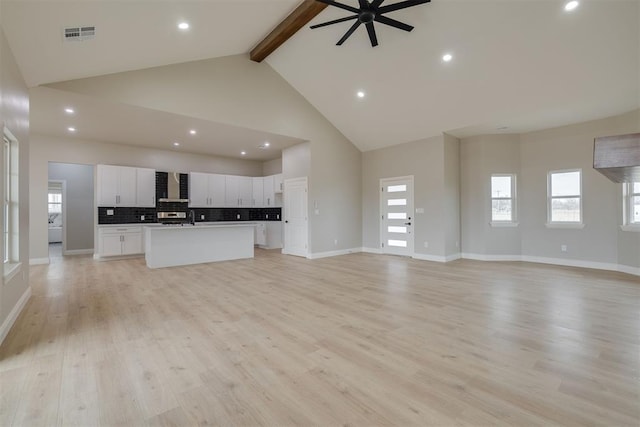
column 174, row 245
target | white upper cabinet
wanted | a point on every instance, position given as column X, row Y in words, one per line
column 258, row 192
column 117, row 186
column 269, row 194
column 278, row 184
column 198, row 190
column 146, row 188
column 238, row 191
column 206, row 190
column 217, row 190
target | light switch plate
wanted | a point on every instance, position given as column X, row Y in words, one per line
column 419, row 210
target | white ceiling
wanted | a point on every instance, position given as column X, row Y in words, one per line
column 100, row 120
column 522, row 64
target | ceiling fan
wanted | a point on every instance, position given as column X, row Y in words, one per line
column 368, row 13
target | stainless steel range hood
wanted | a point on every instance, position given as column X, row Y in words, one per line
column 173, row 189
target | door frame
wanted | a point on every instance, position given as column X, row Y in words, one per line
column 287, row 183
column 411, row 239
column 63, row 183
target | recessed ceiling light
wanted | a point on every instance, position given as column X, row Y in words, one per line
column 69, row 110
column 71, row 129
column 571, row 5
column 447, row 57
column 361, row 94
column 176, row 144
column 267, row 144
column 193, row 132
column 183, row 25
column 243, row 153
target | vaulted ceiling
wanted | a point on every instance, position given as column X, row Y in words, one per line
column 520, row 65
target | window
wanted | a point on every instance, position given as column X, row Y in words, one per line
column 631, row 219
column 565, row 198
column 503, row 206
column 10, row 199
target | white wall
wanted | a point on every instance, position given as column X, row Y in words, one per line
column 482, row 156
column 272, row 167
column 601, row 243
column 571, row 147
column 237, row 91
column 78, row 204
column 14, row 114
column 435, row 191
column 45, row 149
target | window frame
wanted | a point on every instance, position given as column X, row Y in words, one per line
column 11, row 206
column 628, row 224
column 564, row 224
column 513, row 222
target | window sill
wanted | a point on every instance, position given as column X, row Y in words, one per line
column 503, row 224
column 10, row 270
column 631, row 227
column 576, row 225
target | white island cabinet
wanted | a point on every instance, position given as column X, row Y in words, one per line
column 170, row 246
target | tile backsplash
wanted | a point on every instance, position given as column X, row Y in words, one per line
column 134, row 215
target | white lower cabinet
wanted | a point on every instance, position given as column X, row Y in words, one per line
column 119, row 241
column 260, row 236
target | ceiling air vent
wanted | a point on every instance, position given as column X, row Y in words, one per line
column 79, row 33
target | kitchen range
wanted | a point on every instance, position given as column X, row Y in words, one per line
column 181, row 219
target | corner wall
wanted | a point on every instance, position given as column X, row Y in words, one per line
column 600, row 244
column 434, row 164
column 14, row 114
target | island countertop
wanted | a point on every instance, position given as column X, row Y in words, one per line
column 175, row 245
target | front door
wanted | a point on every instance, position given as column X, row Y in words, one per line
column 396, row 207
column 295, row 217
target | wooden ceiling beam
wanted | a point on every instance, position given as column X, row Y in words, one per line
column 300, row 17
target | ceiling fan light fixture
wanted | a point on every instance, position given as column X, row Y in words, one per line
column 370, row 11
column 360, row 94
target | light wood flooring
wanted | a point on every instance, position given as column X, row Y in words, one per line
column 358, row 340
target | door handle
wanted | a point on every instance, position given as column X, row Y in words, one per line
column 286, row 222
column 407, row 223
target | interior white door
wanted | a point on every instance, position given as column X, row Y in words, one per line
column 396, row 207
column 295, row 217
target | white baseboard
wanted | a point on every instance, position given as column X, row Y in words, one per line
column 556, row 261
column 38, row 261
column 13, row 315
column 629, row 270
column 79, row 252
column 425, row 257
column 452, row 257
column 334, row 253
column 483, row 257
column 371, row 250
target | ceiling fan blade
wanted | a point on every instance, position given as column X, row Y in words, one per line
column 324, row 24
column 401, row 5
column 340, row 5
column 376, row 3
column 348, row 34
column 372, row 34
column 393, row 23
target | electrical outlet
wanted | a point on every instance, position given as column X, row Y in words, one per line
column 141, row 217
column 457, row 244
column 109, row 211
column 238, row 216
column 202, row 217
column 317, row 211
column 426, row 244
column 419, row 210
column 563, row 248
column 335, row 242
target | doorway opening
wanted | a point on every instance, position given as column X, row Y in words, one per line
column 56, row 217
